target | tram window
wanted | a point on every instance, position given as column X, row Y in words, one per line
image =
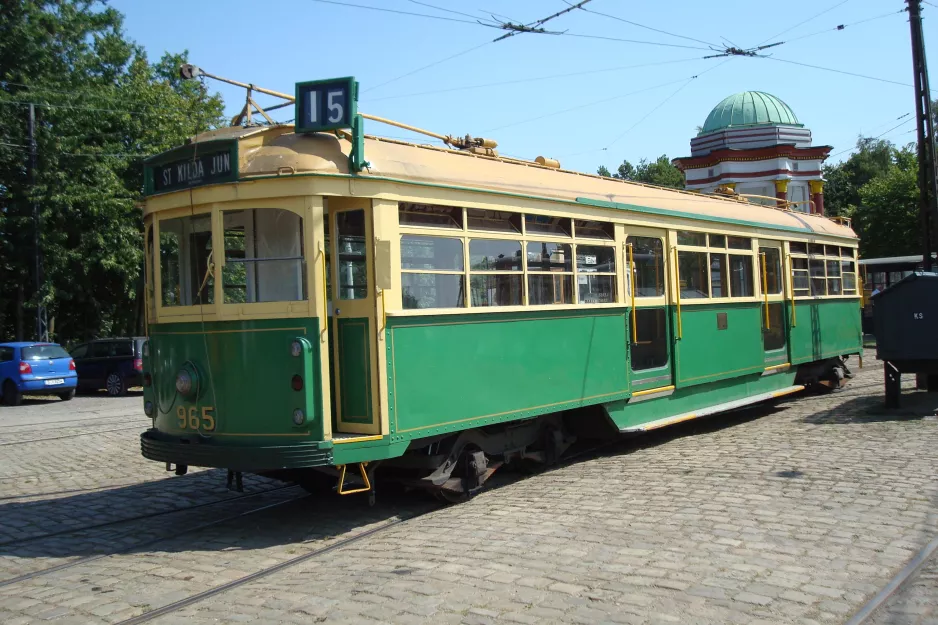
column 351, row 264
column 815, row 249
column 818, row 279
column 848, row 269
column 495, row 289
column 739, row 243
column 773, row 337
column 494, row 221
column 433, row 290
column 429, row 215
column 437, row 253
column 545, row 289
column 543, row 224
column 650, row 351
column 717, row 240
column 846, row 252
column 544, row 256
column 798, row 248
column 834, row 283
column 718, row 282
column 595, row 259
column 648, row 256
column 264, row 256
column 741, row 276
column 698, row 239
column 494, row 255
column 596, row 279
column 185, row 261
column 773, row 270
column 692, row 268
column 800, row 281
column 594, row 229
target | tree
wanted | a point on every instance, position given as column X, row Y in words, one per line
column 887, row 217
column 659, row 172
column 101, row 108
column 872, row 159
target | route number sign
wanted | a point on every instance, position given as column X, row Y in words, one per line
column 326, row 104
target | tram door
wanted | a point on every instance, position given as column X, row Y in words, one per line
column 354, row 333
column 774, row 317
column 649, row 322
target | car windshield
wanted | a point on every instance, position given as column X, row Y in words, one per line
column 43, row 352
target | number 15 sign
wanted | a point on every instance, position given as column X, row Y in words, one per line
column 326, row 104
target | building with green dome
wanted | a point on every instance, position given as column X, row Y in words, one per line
column 753, row 143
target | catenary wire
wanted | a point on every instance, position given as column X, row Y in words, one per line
column 840, row 27
column 638, row 41
column 801, row 23
column 838, row 71
column 431, row 6
column 428, row 66
column 882, row 134
column 534, row 79
column 410, row 13
column 657, row 30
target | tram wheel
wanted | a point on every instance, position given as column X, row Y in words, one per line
column 451, row 496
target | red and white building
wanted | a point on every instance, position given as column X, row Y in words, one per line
column 753, row 144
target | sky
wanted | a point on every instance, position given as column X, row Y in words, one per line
column 584, row 96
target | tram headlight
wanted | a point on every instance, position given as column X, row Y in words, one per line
column 298, row 417
column 296, row 349
column 184, row 382
column 148, row 408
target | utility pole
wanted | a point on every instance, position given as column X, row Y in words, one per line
column 928, row 186
column 42, row 331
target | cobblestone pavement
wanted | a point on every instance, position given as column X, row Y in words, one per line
column 797, row 513
column 916, row 603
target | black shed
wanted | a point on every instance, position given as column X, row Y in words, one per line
column 905, row 317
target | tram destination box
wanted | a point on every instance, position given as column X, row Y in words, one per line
column 323, row 105
column 192, row 165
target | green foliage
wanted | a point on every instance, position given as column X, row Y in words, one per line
column 887, row 217
column 877, row 187
column 658, row 172
column 101, row 107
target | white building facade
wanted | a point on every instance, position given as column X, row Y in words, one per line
column 753, row 144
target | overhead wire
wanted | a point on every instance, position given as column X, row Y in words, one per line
column 409, row 13
column 657, row 30
column 428, row 66
column 534, row 79
column 638, row 41
column 880, row 135
column 432, row 6
column 803, row 22
column 840, row 27
column 838, row 71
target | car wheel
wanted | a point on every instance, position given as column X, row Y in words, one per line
column 115, row 385
column 67, row 395
column 11, row 394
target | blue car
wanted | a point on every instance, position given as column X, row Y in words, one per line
column 35, row 369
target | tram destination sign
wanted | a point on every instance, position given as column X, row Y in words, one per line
column 192, row 166
column 326, row 104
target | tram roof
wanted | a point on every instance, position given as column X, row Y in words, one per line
column 265, row 151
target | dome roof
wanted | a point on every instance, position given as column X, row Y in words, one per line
column 749, row 108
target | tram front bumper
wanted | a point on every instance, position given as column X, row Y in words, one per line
column 162, row 447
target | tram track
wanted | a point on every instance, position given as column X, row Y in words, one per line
column 153, row 541
column 140, row 517
column 142, row 426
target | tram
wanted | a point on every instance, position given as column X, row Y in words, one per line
column 324, row 303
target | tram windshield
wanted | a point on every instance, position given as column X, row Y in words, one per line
column 263, row 258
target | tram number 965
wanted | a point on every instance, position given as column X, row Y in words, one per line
column 196, row 419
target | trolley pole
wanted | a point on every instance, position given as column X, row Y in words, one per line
column 928, row 186
column 42, row 330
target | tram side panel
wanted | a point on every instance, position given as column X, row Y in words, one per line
column 452, row 373
column 823, row 329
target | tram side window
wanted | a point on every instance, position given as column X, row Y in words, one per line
column 650, row 350
column 800, row 280
column 773, row 269
column 430, row 215
column 495, row 277
column 773, row 337
column 185, row 261
column 741, row 276
column 352, row 268
column 264, row 256
column 550, row 273
column 432, row 272
column 596, row 273
column 692, row 271
column 648, row 257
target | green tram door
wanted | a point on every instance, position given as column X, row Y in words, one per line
column 352, row 317
column 775, row 317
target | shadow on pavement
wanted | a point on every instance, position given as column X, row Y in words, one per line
column 872, row 409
